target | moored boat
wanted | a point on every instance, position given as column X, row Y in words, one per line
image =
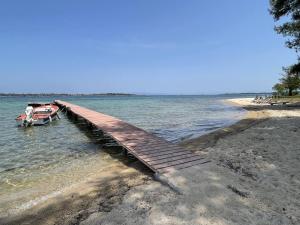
column 38, row 114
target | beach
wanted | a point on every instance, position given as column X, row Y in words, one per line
column 150, row 113
column 252, row 178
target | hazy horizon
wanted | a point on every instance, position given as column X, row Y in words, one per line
column 115, row 93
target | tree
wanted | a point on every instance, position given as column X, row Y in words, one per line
column 295, row 68
column 290, row 80
column 291, row 9
column 279, row 88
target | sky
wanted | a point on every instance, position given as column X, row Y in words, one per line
column 139, row 46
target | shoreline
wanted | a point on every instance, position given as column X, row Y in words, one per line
column 103, row 198
column 251, row 118
column 243, row 184
column 63, row 94
column 140, row 177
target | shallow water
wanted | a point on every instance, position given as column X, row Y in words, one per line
column 38, row 161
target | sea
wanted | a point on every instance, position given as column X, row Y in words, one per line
column 37, row 162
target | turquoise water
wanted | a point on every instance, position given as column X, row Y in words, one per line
column 38, row 161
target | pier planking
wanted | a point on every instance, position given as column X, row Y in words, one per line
column 159, row 155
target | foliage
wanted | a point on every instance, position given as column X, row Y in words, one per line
column 290, row 9
column 295, row 68
column 290, row 80
column 279, row 88
column 289, row 83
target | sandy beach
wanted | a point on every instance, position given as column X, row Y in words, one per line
column 253, row 178
column 150, row 113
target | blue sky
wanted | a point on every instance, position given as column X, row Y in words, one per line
column 139, row 46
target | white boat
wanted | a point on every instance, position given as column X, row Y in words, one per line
column 38, row 114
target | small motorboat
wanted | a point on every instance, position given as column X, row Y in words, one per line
column 38, row 114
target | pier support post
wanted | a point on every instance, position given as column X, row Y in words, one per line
column 125, row 152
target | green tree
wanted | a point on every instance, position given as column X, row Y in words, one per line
column 279, row 88
column 290, row 80
column 291, row 9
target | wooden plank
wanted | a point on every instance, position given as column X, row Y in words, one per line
column 155, row 152
column 158, row 147
column 134, row 143
column 169, row 152
column 150, row 158
column 141, row 147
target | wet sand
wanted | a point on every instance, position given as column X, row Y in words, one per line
column 253, row 178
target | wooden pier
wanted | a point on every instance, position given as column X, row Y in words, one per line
column 159, row 155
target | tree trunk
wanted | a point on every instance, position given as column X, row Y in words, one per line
column 290, row 91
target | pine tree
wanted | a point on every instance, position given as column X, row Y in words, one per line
column 289, row 9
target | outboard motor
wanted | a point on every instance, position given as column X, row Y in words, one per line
column 29, row 112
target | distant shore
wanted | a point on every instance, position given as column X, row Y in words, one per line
column 124, row 94
column 62, row 94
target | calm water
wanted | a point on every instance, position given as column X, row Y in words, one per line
column 40, row 161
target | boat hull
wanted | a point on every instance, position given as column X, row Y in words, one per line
column 40, row 122
column 42, row 115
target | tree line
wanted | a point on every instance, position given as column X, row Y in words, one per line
column 289, row 11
